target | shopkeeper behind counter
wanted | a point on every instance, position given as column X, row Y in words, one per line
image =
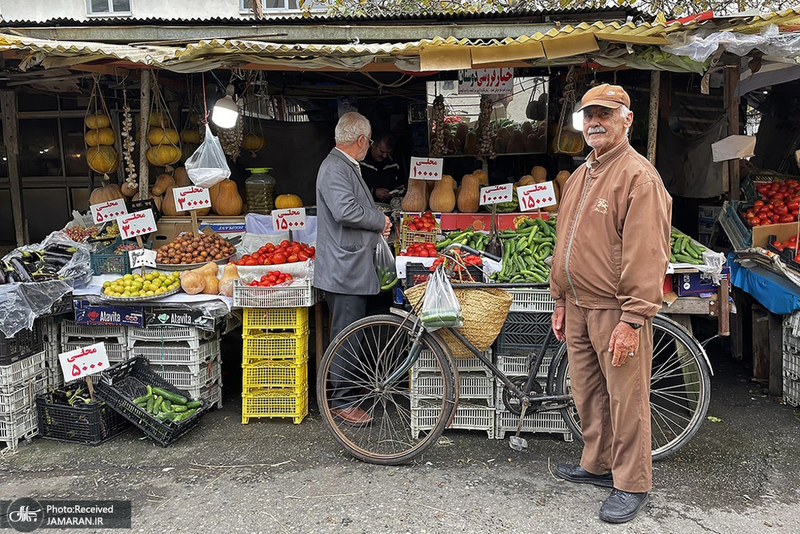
column 381, row 173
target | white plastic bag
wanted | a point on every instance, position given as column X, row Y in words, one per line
column 384, row 265
column 208, row 166
column 441, row 307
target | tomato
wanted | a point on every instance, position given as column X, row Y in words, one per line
column 786, row 218
column 251, row 262
column 278, row 258
column 311, row 251
column 292, row 259
column 758, row 203
column 302, row 256
column 755, row 221
column 781, row 210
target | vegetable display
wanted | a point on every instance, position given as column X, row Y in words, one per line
column 272, row 278
column 684, row 250
column 36, row 265
column 469, row 237
column 167, row 406
column 419, row 250
column 780, row 205
column 525, row 251
column 136, row 285
column 72, row 396
column 421, row 223
column 284, row 252
column 386, row 277
column 188, row 248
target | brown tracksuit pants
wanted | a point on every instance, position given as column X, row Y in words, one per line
column 613, row 402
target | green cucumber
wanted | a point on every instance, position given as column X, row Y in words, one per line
column 174, row 398
column 143, row 398
column 150, row 403
column 194, row 404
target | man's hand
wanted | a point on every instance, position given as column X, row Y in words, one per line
column 387, row 227
column 623, row 344
column 557, row 320
column 382, row 194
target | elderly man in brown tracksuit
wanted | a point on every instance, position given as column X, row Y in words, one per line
column 607, row 275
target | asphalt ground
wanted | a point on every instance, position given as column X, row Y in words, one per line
column 739, row 474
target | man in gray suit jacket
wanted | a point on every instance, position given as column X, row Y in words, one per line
column 348, row 228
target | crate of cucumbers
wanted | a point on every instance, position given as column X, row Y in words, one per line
column 141, row 396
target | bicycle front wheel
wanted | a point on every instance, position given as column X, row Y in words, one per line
column 354, row 374
column 680, row 388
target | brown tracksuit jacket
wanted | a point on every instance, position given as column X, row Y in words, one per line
column 613, row 230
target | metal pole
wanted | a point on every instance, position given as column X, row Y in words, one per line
column 652, row 124
column 144, row 121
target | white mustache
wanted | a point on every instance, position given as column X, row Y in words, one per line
column 596, row 129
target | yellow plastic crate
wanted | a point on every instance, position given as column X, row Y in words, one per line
column 263, row 319
column 274, row 347
column 269, row 374
column 275, row 403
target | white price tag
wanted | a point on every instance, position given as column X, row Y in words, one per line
column 486, row 81
column 536, row 196
column 83, row 361
column 289, row 219
column 191, row 198
column 142, row 258
column 108, row 211
column 426, row 168
column 137, row 223
column 497, row 194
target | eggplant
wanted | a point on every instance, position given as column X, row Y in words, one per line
column 20, row 271
column 3, row 279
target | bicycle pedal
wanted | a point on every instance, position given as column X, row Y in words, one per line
column 518, row 444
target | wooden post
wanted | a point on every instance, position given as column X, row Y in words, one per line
column 11, row 141
column 731, row 81
column 144, row 124
column 724, row 309
column 652, row 121
column 775, row 385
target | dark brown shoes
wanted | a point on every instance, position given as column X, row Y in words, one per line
column 352, row 416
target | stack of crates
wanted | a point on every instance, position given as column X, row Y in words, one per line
column 275, row 363
column 75, row 336
column 51, row 338
column 185, row 356
column 791, row 359
column 475, row 410
column 22, row 377
column 524, row 331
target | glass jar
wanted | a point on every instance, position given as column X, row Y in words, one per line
column 260, row 189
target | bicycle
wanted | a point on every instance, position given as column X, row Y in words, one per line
column 381, row 351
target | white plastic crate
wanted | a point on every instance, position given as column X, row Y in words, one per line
column 176, row 353
column 51, row 335
column 427, row 363
column 22, row 370
column 116, row 352
column 170, row 334
column 22, row 396
column 791, row 389
column 300, row 294
column 69, row 329
column 791, row 361
column 526, row 299
column 54, row 376
column 516, row 364
column 18, row 425
column 212, row 392
column 540, row 422
column 472, row 386
column 468, row 417
column 183, row 377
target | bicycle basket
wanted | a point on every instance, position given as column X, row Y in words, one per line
column 484, row 312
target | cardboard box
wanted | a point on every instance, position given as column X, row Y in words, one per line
column 87, row 314
column 781, row 231
column 693, row 284
column 711, row 213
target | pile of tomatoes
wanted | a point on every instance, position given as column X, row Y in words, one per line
column 420, row 250
column 780, row 205
column 467, row 259
column 422, row 223
column 272, row 278
column 790, row 243
column 285, row 252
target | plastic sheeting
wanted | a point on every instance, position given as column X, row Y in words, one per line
column 775, row 293
column 701, row 45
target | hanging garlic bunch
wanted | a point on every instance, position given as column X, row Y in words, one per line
column 485, row 143
column 437, row 126
column 128, row 143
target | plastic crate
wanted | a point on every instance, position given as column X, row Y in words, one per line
column 789, row 340
column 735, row 228
column 22, row 396
column 417, row 273
column 275, row 403
column 791, row 389
column 468, row 417
column 408, row 236
column 791, row 361
column 17, row 372
column 267, row 374
column 523, row 331
column 300, row 294
column 473, row 386
column 531, row 299
column 427, row 363
column 536, row 422
column 69, row 330
column 257, row 320
column 116, row 352
column 51, row 337
column 17, row 426
column 170, row 334
column 62, row 306
column 119, row 385
column 515, row 363
column 55, row 378
column 89, row 424
column 105, row 261
column 23, row 344
column 188, row 377
column 274, row 347
column 176, row 353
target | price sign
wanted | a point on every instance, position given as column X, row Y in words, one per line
column 137, row 223
column 497, row 194
column 142, row 258
column 191, row 198
column 289, row 219
column 426, row 168
column 486, row 81
column 536, row 196
column 108, row 211
column 83, row 361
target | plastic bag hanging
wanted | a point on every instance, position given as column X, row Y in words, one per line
column 384, row 265
column 207, row 166
column 441, row 307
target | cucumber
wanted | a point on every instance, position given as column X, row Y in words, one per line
column 177, row 408
column 167, row 405
column 194, row 404
column 150, row 403
column 174, row 398
column 157, row 404
column 143, row 398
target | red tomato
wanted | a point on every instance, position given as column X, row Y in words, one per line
column 781, row 209
column 758, row 203
column 302, row 256
column 278, row 258
column 292, row 259
column 251, row 262
column 786, row 218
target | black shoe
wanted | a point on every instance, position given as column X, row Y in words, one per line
column 576, row 473
column 622, row 506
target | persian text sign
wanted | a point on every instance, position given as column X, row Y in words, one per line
column 142, row 258
column 486, row 81
column 289, row 219
column 191, row 198
column 536, row 196
column 497, row 194
column 108, row 211
column 137, row 223
column 83, row 361
column 426, row 168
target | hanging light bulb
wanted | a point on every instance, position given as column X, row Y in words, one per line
column 577, row 121
column 225, row 112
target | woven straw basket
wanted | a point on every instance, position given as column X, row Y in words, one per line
column 484, row 312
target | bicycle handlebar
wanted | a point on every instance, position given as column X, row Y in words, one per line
column 471, row 251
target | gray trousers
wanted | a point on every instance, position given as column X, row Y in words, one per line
column 344, row 310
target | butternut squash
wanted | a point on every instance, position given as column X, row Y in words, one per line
column 212, row 283
column 181, row 177
column 539, row 174
column 213, row 191
column 443, row 197
column 483, row 178
column 561, row 179
column 228, row 201
column 168, row 205
column 525, row 180
column 162, row 182
column 230, row 274
column 469, row 195
column 193, row 282
column 416, row 199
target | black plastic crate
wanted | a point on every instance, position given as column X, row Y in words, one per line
column 88, row 424
column 524, row 331
column 62, row 306
column 417, row 273
column 122, row 383
column 23, row 344
column 104, row 261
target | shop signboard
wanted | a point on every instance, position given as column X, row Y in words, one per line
column 499, row 81
column 191, row 198
column 426, row 168
column 179, row 317
column 83, row 361
column 136, row 224
column 108, row 211
column 291, row 219
column 496, row 194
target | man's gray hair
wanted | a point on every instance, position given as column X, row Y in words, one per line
column 350, row 127
column 624, row 111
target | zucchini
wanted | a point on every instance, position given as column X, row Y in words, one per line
column 174, row 398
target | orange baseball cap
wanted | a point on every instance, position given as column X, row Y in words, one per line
column 608, row 96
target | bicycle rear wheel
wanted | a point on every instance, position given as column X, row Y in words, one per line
column 358, row 361
column 680, row 388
